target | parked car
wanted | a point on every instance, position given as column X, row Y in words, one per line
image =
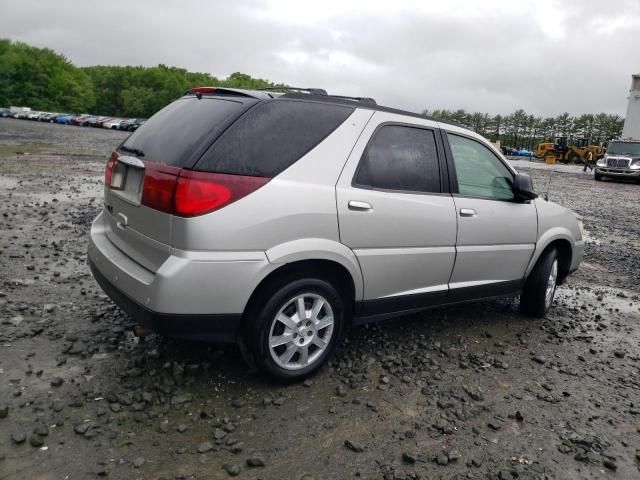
column 523, row 152
column 509, row 151
column 48, row 117
column 63, row 118
column 131, row 124
column 5, row 112
column 127, row 123
column 79, row 119
column 279, row 222
column 112, row 123
column 98, row 121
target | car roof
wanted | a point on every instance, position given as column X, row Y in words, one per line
column 314, row 95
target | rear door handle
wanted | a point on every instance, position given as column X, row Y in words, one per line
column 468, row 212
column 359, row 206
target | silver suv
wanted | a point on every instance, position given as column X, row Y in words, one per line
column 280, row 220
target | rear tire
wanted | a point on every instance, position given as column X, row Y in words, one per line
column 283, row 346
column 540, row 287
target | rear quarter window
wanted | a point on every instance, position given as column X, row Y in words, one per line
column 173, row 134
column 272, row 136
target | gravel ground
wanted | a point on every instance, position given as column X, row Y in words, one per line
column 473, row 392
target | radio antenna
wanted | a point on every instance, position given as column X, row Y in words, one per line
column 546, row 195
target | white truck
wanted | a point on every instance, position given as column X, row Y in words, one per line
column 622, row 159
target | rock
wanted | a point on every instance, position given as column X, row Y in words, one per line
column 453, row 455
column 409, row 457
column 610, row 464
column 619, row 354
column 353, row 446
column 18, row 438
column 181, row 428
column 81, row 428
column 474, row 393
column 540, row 359
column 4, row 411
column 205, row 447
column 256, row 461
column 341, row 391
column 36, row 440
column 238, row 403
column 442, row 459
column 56, row 381
column 41, row 430
column 232, row 469
column 138, row 462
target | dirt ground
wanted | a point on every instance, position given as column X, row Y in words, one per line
column 470, row 392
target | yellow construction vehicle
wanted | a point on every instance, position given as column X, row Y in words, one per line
column 561, row 151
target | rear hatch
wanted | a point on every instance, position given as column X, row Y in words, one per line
column 141, row 177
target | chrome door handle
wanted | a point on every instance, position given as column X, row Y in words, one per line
column 468, row 212
column 359, row 206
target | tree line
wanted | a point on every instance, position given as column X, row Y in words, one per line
column 45, row 80
column 522, row 130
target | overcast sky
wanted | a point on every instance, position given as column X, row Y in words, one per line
column 492, row 56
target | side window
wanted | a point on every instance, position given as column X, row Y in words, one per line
column 272, row 136
column 480, row 173
column 400, row 158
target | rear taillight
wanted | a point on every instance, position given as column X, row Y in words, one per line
column 159, row 186
column 108, row 169
column 198, row 193
column 188, row 193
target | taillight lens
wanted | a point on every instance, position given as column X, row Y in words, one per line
column 108, row 169
column 187, row 193
column 198, row 193
column 159, row 186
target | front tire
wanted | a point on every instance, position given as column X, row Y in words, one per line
column 574, row 158
column 296, row 328
column 598, row 177
column 540, row 288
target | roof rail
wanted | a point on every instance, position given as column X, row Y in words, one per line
column 312, row 91
column 358, row 99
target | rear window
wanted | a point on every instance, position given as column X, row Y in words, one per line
column 173, row 134
column 272, row 136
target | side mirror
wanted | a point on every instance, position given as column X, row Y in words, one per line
column 523, row 187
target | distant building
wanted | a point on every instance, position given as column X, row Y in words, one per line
column 631, row 130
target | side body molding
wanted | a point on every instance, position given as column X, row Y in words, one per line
column 319, row 249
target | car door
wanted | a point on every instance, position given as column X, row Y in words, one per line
column 496, row 234
column 394, row 214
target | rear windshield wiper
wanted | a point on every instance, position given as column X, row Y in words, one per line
column 136, row 151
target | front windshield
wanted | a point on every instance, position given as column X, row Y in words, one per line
column 620, row 148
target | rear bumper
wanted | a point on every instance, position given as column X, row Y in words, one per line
column 196, row 295
column 221, row 328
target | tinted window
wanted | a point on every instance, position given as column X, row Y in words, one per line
column 480, row 173
column 400, row 158
column 272, row 136
column 176, row 131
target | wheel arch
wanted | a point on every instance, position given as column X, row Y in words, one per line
column 563, row 245
column 316, row 257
